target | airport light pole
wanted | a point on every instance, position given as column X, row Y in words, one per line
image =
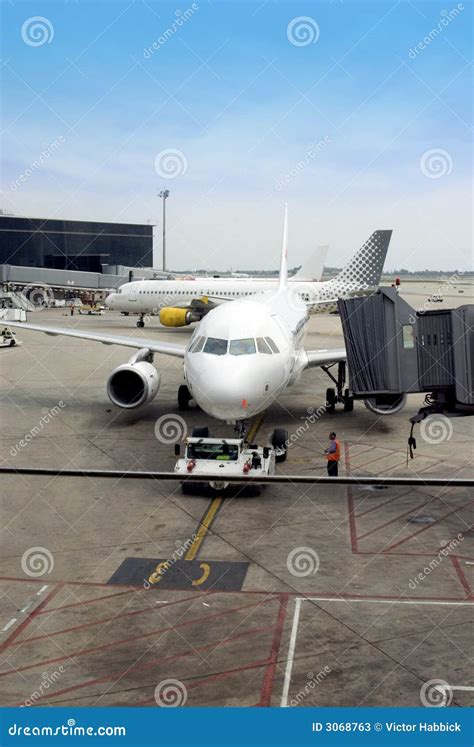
column 164, row 194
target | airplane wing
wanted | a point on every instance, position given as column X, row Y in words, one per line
column 325, row 357
column 155, row 346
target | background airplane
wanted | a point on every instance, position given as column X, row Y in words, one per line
column 182, row 302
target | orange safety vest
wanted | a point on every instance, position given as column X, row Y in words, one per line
column 336, row 455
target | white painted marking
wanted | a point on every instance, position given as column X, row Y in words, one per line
column 206, row 604
column 466, row 688
column 9, row 624
column 162, row 601
column 291, row 654
column 43, row 588
column 296, row 618
column 26, row 607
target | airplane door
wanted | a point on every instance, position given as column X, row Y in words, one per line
column 133, row 295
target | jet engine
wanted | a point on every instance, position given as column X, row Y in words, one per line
column 386, row 404
column 173, row 316
column 134, row 383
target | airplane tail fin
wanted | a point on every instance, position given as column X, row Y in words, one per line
column 313, row 268
column 364, row 270
column 283, row 276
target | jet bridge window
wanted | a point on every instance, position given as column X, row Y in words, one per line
column 272, row 344
column 263, row 347
column 242, row 347
column 198, row 345
column 215, row 346
column 408, row 338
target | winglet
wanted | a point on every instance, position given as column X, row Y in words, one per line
column 283, row 277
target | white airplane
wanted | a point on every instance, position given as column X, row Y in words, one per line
column 241, row 357
column 184, row 301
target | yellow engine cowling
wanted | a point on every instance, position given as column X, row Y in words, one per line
column 173, row 316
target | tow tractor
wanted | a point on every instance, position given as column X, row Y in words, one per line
column 8, row 339
column 207, row 461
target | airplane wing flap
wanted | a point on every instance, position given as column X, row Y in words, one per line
column 155, row 346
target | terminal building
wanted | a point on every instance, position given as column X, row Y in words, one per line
column 75, row 245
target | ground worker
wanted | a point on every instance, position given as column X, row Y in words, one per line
column 333, row 454
column 72, row 310
column 7, row 333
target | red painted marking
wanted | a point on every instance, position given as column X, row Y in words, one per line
column 380, row 505
column 139, row 668
column 461, row 576
column 86, row 601
column 191, row 621
column 397, row 518
column 267, row 687
column 350, row 502
column 11, row 638
column 213, row 678
column 429, row 526
column 141, row 611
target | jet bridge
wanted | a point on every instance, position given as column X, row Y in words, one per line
column 394, row 350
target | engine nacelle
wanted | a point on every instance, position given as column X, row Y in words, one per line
column 133, row 384
column 386, row 404
column 173, row 316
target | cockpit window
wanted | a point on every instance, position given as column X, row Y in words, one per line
column 215, row 346
column 272, row 344
column 198, row 345
column 242, row 347
column 263, row 347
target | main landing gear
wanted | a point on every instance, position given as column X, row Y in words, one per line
column 340, row 393
column 140, row 322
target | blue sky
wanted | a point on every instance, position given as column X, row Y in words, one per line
column 330, row 106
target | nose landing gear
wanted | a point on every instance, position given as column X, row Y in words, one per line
column 140, row 322
column 340, row 393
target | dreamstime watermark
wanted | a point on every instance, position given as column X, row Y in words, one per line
column 180, row 20
column 447, row 16
column 46, row 681
column 37, row 31
column 314, row 149
column 37, row 562
column 171, row 694
column 435, row 429
column 163, row 567
column 435, row 562
column 170, row 428
column 436, row 163
column 313, row 681
column 38, row 163
column 46, row 418
column 436, row 694
column 39, row 296
column 302, row 31
column 446, row 285
column 170, row 163
column 303, row 561
column 310, row 419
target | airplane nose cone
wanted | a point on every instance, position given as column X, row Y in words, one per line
column 227, row 390
column 109, row 300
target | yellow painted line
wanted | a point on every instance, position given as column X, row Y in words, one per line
column 253, row 430
column 204, row 528
column 216, row 504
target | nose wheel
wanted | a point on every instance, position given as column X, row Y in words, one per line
column 141, row 323
column 339, row 393
column 184, row 397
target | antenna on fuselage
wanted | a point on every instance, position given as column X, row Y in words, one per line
column 283, row 277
